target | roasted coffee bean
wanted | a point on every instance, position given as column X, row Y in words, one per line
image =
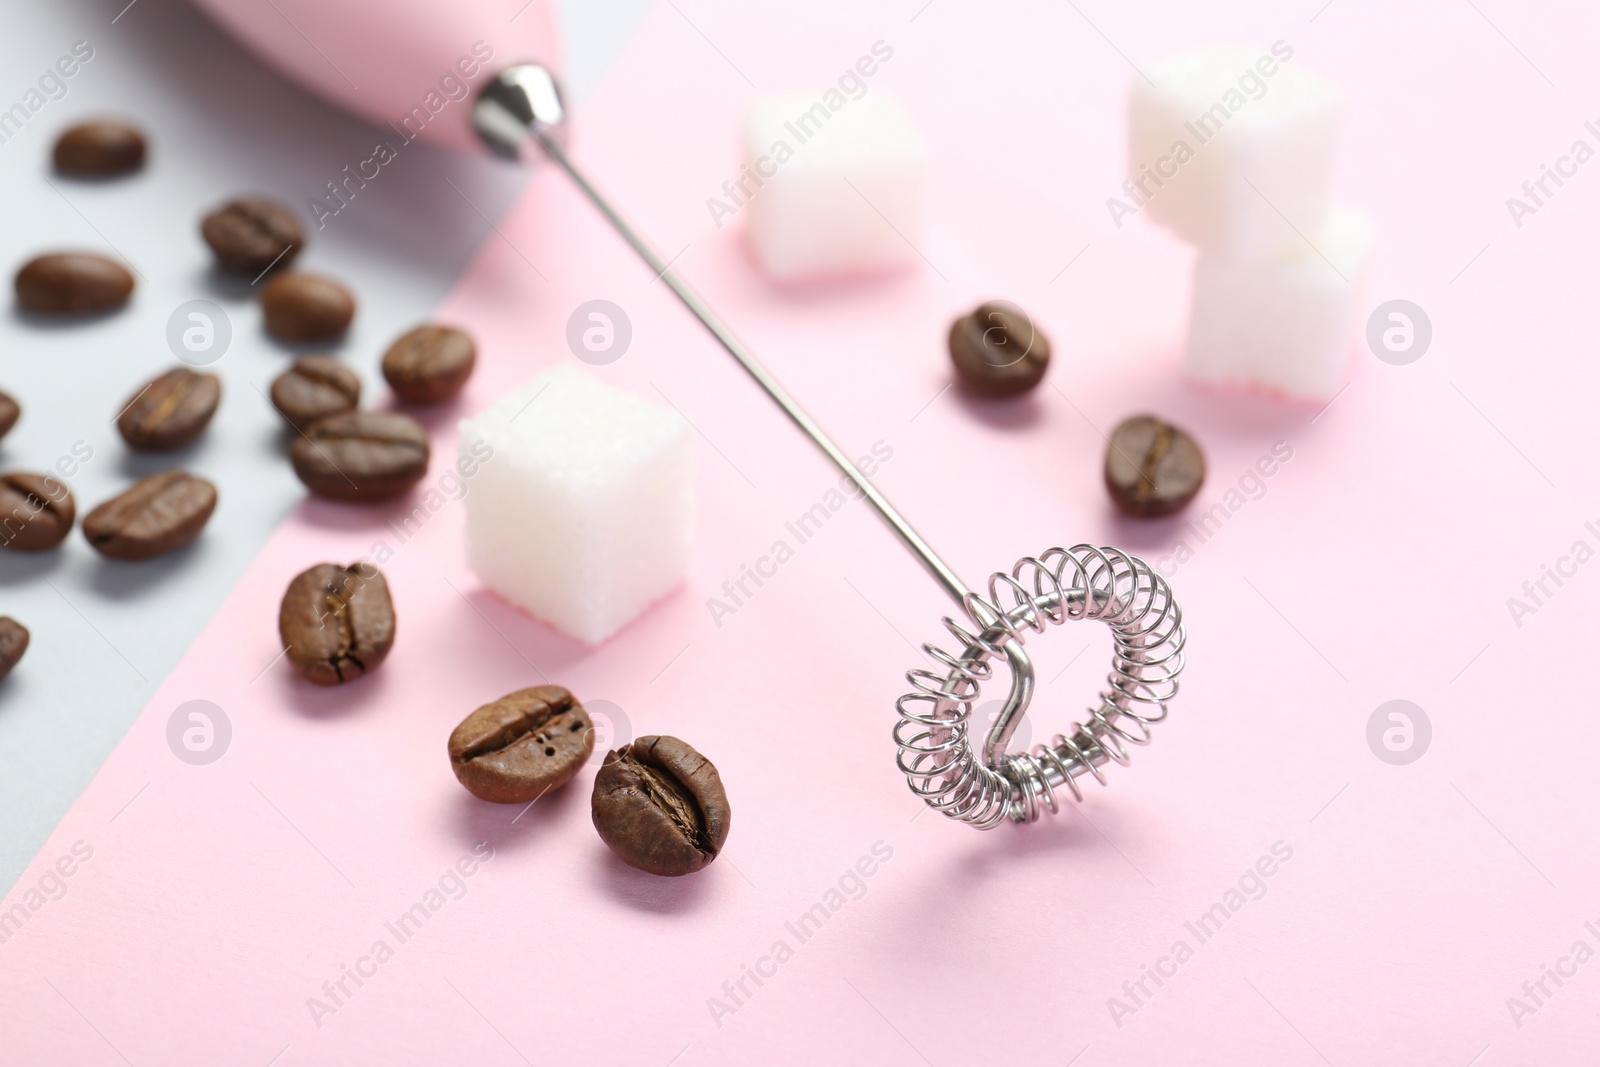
column 73, row 283
column 1152, row 469
column 361, row 455
column 100, row 149
column 660, row 805
column 10, row 412
column 13, row 643
column 171, row 411
column 36, row 511
column 998, row 351
column 337, row 623
column 306, row 307
column 154, row 515
column 522, row 746
column 314, row 387
column 429, row 363
column 251, row 234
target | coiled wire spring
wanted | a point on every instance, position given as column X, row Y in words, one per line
column 1084, row 582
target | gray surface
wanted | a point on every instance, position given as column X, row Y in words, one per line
column 106, row 633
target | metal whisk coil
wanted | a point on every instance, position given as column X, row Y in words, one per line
column 520, row 109
column 983, row 787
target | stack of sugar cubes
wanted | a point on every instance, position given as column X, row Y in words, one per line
column 1234, row 150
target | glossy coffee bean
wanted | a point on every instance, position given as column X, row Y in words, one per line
column 429, row 364
column 13, row 643
column 520, row 747
column 102, row 148
column 306, row 307
column 170, row 411
column 252, row 233
column 10, row 412
column 36, row 511
column 1152, row 468
column 316, row 386
column 660, row 806
column 73, row 283
column 153, row 516
column 337, row 623
column 998, row 351
column 361, row 455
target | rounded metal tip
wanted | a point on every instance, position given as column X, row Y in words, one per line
column 520, row 101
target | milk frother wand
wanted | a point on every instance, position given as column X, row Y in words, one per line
column 524, row 104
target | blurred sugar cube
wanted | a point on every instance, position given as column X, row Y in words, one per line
column 581, row 511
column 1283, row 324
column 831, row 191
column 1233, row 149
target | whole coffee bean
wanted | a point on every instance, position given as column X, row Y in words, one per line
column 252, row 233
column 430, row 363
column 997, row 350
column 154, row 515
column 10, row 412
column 660, row 805
column 522, row 746
column 1152, row 469
column 36, row 511
column 13, row 643
column 337, row 623
column 73, row 283
column 171, row 411
column 100, row 149
column 361, row 455
column 314, row 387
column 306, row 307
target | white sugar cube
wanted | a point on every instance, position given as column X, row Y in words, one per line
column 832, row 186
column 581, row 510
column 1283, row 325
column 1232, row 149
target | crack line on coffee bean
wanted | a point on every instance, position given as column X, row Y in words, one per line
column 677, row 800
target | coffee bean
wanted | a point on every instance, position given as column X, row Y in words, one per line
column 429, row 364
column 36, row 511
column 251, row 234
column 660, row 805
column 306, row 307
column 73, row 283
column 337, row 623
column 10, row 412
column 1152, row 469
column 171, row 411
column 361, row 455
column 314, row 387
column 13, row 643
column 522, row 746
column 997, row 350
column 100, row 149
column 154, row 515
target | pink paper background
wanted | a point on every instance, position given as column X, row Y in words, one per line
column 1418, row 898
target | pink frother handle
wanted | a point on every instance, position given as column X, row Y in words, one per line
column 391, row 61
